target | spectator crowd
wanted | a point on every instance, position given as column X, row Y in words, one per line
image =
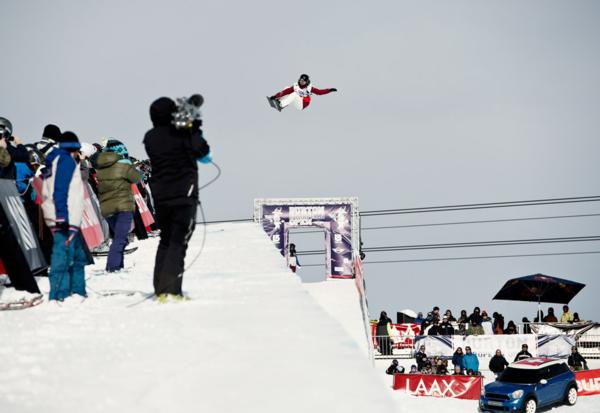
column 61, row 180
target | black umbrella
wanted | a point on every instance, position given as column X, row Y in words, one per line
column 539, row 287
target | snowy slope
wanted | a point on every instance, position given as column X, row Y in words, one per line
column 339, row 298
column 252, row 339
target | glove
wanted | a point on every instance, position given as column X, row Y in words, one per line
column 206, row 159
column 333, row 89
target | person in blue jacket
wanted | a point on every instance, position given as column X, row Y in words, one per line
column 470, row 361
column 62, row 203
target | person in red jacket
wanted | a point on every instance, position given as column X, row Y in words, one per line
column 298, row 94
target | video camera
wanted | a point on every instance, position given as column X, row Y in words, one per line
column 188, row 115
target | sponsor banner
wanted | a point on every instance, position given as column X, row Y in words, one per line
column 435, row 345
column 19, row 225
column 588, row 382
column 334, row 219
column 403, row 335
column 458, row 387
column 147, row 217
column 555, row 346
column 485, row 346
column 91, row 229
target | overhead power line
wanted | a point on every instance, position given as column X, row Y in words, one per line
column 485, row 257
column 503, row 204
column 533, row 202
column 468, row 244
column 484, row 221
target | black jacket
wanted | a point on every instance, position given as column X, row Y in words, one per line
column 522, row 355
column 173, row 155
column 446, row 329
column 17, row 154
column 421, row 360
column 498, row 363
column 576, row 360
column 394, row 369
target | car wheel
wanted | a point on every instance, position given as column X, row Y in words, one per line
column 571, row 396
column 530, row 406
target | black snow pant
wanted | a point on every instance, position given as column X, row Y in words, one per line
column 176, row 225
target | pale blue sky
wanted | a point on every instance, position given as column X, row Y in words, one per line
column 439, row 102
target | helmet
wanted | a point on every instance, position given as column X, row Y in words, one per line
column 305, row 78
column 6, row 128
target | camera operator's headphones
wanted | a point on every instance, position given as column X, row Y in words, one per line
column 6, row 128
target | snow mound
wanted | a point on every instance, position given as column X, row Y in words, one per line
column 251, row 339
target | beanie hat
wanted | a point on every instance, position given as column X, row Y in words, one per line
column 116, row 146
column 69, row 142
column 52, row 132
column 161, row 111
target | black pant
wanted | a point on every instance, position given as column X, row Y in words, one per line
column 176, row 225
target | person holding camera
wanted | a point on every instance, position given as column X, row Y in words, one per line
column 174, row 146
column 11, row 150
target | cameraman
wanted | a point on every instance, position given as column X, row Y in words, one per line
column 11, row 146
column 174, row 155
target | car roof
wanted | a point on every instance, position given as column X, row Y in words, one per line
column 535, row 363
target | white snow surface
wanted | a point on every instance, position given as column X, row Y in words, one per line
column 252, row 339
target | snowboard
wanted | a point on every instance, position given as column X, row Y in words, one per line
column 274, row 104
column 105, row 253
column 22, row 304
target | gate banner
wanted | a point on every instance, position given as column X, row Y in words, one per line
column 147, row 217
column 18, row 226
column 335, row 219
column 588, row 382
column 458, row 387
column 91, row 229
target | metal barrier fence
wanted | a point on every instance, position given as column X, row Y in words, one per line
column 385, row 348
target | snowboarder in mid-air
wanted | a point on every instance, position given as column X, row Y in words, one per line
column 297, row 95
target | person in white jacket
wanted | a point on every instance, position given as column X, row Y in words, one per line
column 62, row 204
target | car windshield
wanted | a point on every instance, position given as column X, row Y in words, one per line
column 521, row 376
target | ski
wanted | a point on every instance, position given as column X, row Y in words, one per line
column 22, row 303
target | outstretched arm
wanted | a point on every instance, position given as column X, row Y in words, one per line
column 283, row 93
column 322, row 91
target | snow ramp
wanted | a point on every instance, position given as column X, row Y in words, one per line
column 251, row 339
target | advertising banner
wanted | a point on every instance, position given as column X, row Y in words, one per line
column 403, row 335
column 458, row 387
column 555, row 346
column 435, row 345
column 485, row 346
column 588, row 382
column 147, row 217
column 334, row 219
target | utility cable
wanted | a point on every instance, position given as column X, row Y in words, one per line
column 467, row 244
column 468, row 258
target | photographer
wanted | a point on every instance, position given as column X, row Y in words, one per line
column 175, row 146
